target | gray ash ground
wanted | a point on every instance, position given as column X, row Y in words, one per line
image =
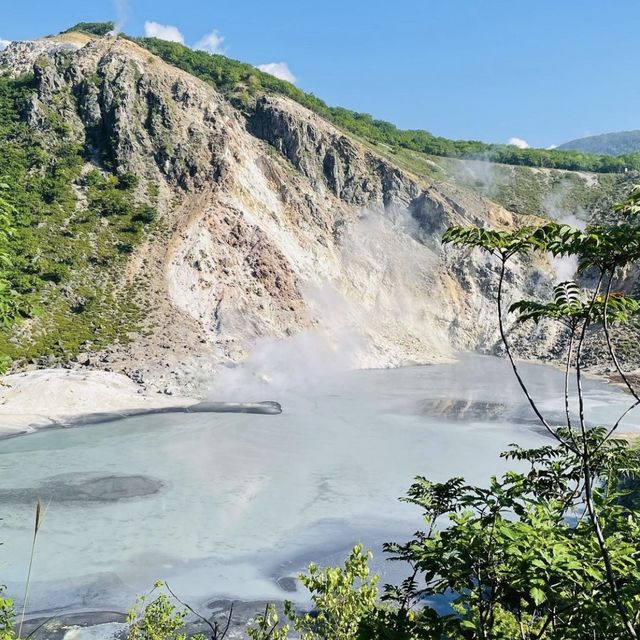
column 84, row 487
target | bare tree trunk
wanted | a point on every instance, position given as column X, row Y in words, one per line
column 514, row 366
column 588, row 477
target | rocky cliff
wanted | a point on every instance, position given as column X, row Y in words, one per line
column 270, row 223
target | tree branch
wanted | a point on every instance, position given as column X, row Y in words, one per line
column 215, row 629
column 507, row 348
column 588, row 479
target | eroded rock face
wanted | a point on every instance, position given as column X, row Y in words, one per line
column 19, row 57
column 326, row 156
column 322, row 235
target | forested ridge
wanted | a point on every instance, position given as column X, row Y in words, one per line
column 244, row 81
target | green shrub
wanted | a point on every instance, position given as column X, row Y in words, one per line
column 157, row 620
column 145, row 214
column 342, row 598
column 7, row 617
column 94, row 28
column 58, row 251
column 127, row 181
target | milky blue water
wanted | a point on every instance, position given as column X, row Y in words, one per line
column 225, row 504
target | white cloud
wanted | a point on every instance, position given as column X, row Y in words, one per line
column 211, row 42
column 4, row 44
column 279, row 70
column 552, row 146
column 163, row 31
column 518, row 142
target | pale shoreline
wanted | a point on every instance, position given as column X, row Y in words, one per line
column 59, row 397
column 34, row 400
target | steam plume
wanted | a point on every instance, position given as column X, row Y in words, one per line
column 122, row 14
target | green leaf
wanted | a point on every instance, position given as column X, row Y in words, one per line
column 468, row 624
column 538, row 595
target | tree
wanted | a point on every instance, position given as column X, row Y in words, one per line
column 588, row 455
column 94, row 28
column 518, row 558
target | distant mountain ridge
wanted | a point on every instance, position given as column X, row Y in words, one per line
column 239, row 82
column 616, row 143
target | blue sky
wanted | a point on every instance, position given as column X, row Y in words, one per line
column 545, row 71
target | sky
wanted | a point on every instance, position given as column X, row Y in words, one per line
column 540, row 72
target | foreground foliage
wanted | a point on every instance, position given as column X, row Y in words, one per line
column 604, row 251
column 7, row 617
column 158, row 619
column 342, row 598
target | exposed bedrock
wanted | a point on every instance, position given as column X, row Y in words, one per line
column 271, row 223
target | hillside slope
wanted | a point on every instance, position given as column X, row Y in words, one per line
column 240, row 81
column 269, row 223
column 617, row 143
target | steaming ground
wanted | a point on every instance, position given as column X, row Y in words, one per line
column 226, row 506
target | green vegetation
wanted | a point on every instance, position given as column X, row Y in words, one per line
column 9, row 305
column 60, row 269
column 342, row 599
column 587, row 456
column 7, row 617
column 160, row 619
column 241, row 81
column 93, row 28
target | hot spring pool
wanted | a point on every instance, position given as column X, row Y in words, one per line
column 223, row 505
